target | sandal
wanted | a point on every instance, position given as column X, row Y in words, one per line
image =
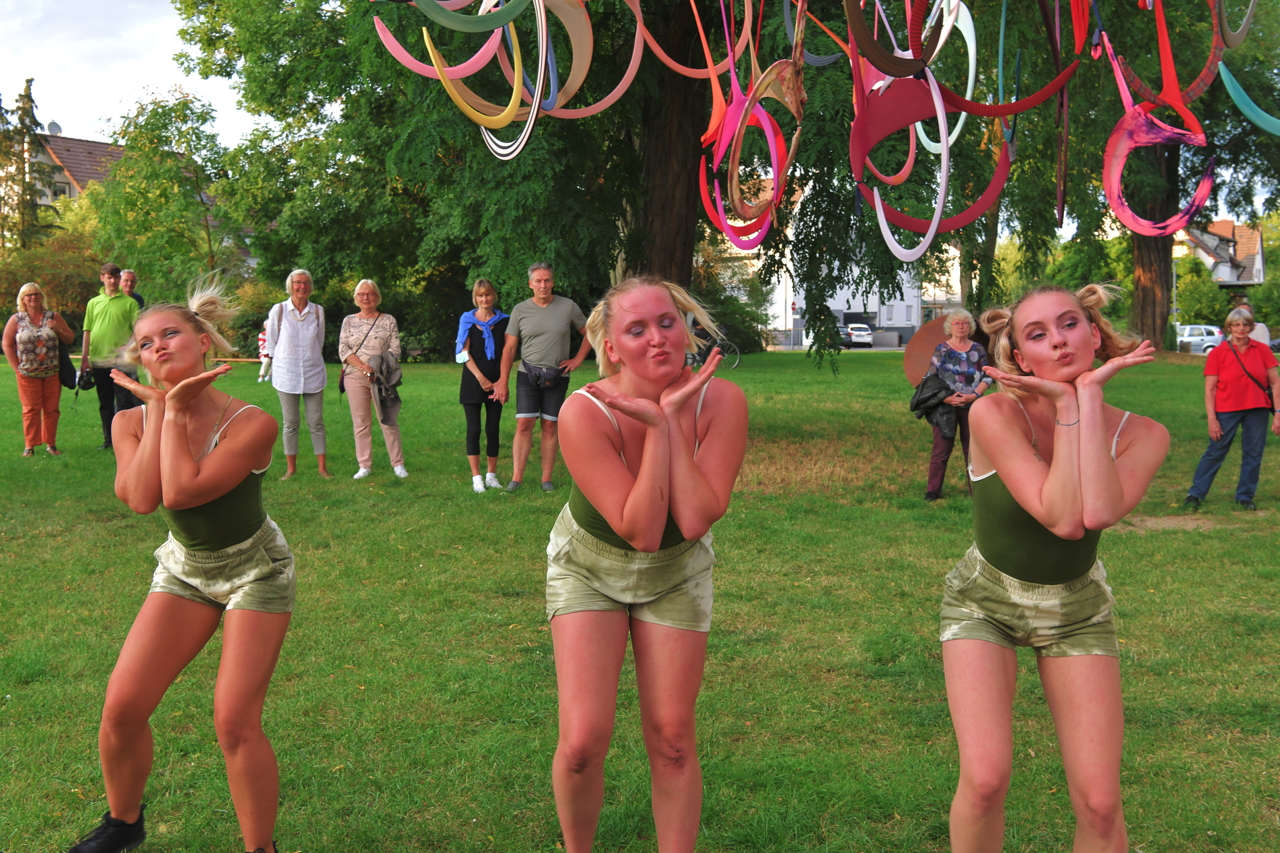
column 53, row 451
column 28, row 452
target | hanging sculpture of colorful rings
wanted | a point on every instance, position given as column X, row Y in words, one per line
column 894, row 89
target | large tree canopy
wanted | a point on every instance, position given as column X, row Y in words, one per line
column 368, row 167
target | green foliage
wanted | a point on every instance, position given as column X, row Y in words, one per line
column 26, row 217
column 63, row 264
column 1200, row 300
column 736, row 299
column 156, row 212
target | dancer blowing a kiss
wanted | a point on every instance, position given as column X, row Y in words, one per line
column 654, row 450
column 198, row 456
column 1052, row 466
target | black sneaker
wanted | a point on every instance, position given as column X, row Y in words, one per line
column 106, row 445
column 274, row 849
column 113, row 836
column 930, row 497
column 1247, row 504
column 1192, row 502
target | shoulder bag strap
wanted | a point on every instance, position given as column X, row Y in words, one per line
column 365, row 338
column 1266, row 389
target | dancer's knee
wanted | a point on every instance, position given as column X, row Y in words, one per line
column 1099, row 811
column 984, row 786
column 672, row 744
column 235, row 728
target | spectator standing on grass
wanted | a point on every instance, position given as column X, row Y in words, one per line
column 198, row 456
column 264, row 355
column 129, row 284
column 368, row 344
column 1260, row 332
column 31, row 339
column 958, row 361
column 540, row 327
column 480, row 333
column 295, row 339
column 1241, row 392
column 653, row 449
column 108, row 324
column 1053, row 465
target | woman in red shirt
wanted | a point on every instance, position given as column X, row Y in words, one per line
column 1241, row 387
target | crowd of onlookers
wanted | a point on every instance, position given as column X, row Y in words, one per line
column 1240, row 376
column 290, row 349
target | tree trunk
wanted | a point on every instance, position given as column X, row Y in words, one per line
column 673, row 121
column 964, row 270
column 1153, row 256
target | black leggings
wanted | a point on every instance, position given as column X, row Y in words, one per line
column 492, row 418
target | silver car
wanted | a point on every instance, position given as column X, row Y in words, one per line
column 1201, row 338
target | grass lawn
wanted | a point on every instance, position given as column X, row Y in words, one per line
column 414, row 706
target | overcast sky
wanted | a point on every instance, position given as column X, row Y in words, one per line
column 92, row 60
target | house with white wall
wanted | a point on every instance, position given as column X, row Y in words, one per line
column 82, row 161
column 901, row 314
column 1232, row 253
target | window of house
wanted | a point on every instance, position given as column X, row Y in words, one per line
column 888, row 313
column 908, row 318
column 61, row 190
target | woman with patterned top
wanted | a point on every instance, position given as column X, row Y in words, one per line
column 959, row 362
column 368, row 340
column 31, row 340
column 479, row 350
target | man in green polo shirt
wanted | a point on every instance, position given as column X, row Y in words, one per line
column 108, row 325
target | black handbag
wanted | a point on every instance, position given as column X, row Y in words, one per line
column 66, row 370
column 543, row 377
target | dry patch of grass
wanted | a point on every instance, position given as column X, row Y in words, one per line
column 817, row 465
column 1144, row 523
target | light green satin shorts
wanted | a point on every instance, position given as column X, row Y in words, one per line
column 670, row 587
column 256, row 574
column 1057, row 620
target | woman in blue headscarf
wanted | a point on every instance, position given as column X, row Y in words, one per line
column 480, row 336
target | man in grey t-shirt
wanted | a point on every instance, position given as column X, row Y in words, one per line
column 542, row 324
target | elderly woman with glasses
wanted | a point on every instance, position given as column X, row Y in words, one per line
column 31, row 339
column 295, row 339
column 368, row 345
column 959, row 362
column 1241, row 390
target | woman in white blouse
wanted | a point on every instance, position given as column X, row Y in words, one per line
column 368, row 340
column 295, row 337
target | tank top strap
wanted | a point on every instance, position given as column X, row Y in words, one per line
column 697, row 443
column 609, row 415
column 1115, row 440
column 1027, row 415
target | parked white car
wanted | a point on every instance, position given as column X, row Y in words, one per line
column 856, row 335
column 1201, row 338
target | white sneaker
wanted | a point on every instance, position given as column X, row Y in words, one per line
column 477, row 484
column 362, row 473
column 401, row 471
column 491, row 481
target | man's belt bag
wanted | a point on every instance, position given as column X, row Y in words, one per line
column 542, row 377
